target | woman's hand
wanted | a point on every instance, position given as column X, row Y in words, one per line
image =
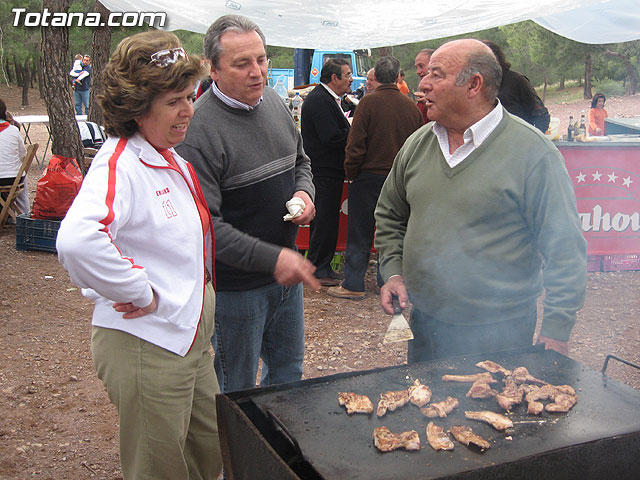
column 132, row 311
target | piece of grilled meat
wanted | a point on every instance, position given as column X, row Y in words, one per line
column 481, row 389
column 386, row 441
column 419, row 394
column 465, row 435
column 391, row 401
column 497, row 421
column 494, row 367
column 484, row 376
column 440, row 409
column 355, row 402
column 438, row 438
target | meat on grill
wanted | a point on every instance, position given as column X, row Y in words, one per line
column 563, row 397
column 419, row 394
column 386, row 441
column 440, row 409
column 481, row 389
column 355, row 403
column 511, row 394
column 497, row 421
column 465, row 435
column 522, row 375
column 391, row 401
column 484, row 376
column 438, row 438
column 494, row 367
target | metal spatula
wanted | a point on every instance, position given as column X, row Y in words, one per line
column 398, row 330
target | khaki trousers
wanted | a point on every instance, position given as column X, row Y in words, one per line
column 165, row 402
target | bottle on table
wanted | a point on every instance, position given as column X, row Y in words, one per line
column 296, row 105
column 583, row 125
column 570, row 129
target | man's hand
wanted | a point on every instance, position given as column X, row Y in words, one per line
column 420, row 98
column 309, row 209
column 394, row 286
column 293, row 268
column 132, row 311
column 552, row 344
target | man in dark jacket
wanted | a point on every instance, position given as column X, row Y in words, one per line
column 383, row 121
column 324, row 133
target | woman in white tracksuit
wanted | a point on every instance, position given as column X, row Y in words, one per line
column 139, row 241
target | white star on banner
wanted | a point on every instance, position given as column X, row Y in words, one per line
column 627, row 182
column 596, row 176
column 580, row 177
column 612, row 177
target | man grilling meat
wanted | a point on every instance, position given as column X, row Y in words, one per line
column 473, row 207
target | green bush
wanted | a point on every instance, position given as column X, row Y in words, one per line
column 608, row 87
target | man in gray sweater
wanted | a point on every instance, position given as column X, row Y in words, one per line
column 249, row 158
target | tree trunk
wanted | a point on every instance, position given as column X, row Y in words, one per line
column 26, row 82
column 55, row 45
column 561, row 87
column 7, row 69
column 587, row 78
column 18, row 69
column 384, row 51
column 101, row 46
column 633, row 86
column 34, row 72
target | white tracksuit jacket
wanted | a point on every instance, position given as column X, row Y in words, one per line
column 134, row 227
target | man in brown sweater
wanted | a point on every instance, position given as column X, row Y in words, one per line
column 383, row 121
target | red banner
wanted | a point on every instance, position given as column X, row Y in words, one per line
column 606, row 180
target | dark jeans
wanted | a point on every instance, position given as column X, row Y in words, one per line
column 435, row 339
column 363, row 196
column 324, row 227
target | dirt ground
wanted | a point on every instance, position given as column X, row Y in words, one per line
column 57, row 422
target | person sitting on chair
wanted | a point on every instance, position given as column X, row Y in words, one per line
column 12, row 152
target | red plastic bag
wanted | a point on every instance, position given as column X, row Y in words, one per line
column 57, row 188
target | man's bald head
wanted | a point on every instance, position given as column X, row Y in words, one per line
column 474, row 58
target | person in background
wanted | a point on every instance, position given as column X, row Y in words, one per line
column 369, row 86
column 517, row 95
column 248, row 155
column 422, row 67
column 324, row 131
column 493, row 201
column 81, row 86
column 402, row 85
column 139, row 240
column 383, row 121
column 12, row 152
column 597, row 114
column 76, row 69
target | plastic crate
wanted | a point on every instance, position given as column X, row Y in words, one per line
column 36, row 234
column 618, row 263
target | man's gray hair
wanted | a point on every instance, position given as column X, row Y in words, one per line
column 485, row 64
column 386, row 69
column 227, row 23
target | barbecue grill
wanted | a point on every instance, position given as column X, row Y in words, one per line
column 298, row 430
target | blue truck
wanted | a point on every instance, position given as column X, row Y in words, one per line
column 307, row 65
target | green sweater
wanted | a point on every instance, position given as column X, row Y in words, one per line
column 478, row 242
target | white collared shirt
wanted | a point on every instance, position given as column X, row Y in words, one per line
column 332, row 93
column 232, row 102
column 473, row 136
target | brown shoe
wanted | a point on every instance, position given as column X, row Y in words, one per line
column 328, row 281
column 340, row 292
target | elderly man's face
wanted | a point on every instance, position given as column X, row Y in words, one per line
column 422, row 64
column 242, row 66
column 445, row 100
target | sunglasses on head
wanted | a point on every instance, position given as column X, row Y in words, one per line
column 164, row 58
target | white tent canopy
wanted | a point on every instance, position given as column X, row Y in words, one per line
column 351, row 24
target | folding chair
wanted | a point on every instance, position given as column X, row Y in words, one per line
column 9, row 193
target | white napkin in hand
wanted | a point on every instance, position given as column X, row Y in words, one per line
column 296, row 207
